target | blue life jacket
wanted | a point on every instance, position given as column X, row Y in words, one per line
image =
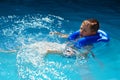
column 88, row 40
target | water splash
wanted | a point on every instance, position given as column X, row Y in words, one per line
column 21, row 32
column 29, row 35
column 32, row 64
column 23, row 29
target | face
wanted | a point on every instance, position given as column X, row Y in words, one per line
column 85, row 31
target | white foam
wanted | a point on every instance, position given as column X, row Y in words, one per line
column 43, row 46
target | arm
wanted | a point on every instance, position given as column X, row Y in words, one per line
column 59, row 34
column 6, row 51
column 70, row 37
column 53, row 51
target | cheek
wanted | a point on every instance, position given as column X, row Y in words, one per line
column 89, row 34
column 86, row 34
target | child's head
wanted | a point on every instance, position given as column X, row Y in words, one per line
column 89, row 27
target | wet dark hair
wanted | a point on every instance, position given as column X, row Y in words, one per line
column 92, row 23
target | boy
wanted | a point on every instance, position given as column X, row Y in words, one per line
column 84, row 38
column 79, row 42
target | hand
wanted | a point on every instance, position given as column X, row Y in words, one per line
column 59, row 34
column 53, row 33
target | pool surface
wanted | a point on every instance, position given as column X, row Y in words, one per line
column 25, row 22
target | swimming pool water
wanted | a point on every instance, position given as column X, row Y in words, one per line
column 25, row 22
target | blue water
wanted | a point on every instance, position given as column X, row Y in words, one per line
column 24, row 22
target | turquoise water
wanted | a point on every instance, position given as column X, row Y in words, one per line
column 23, row 23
